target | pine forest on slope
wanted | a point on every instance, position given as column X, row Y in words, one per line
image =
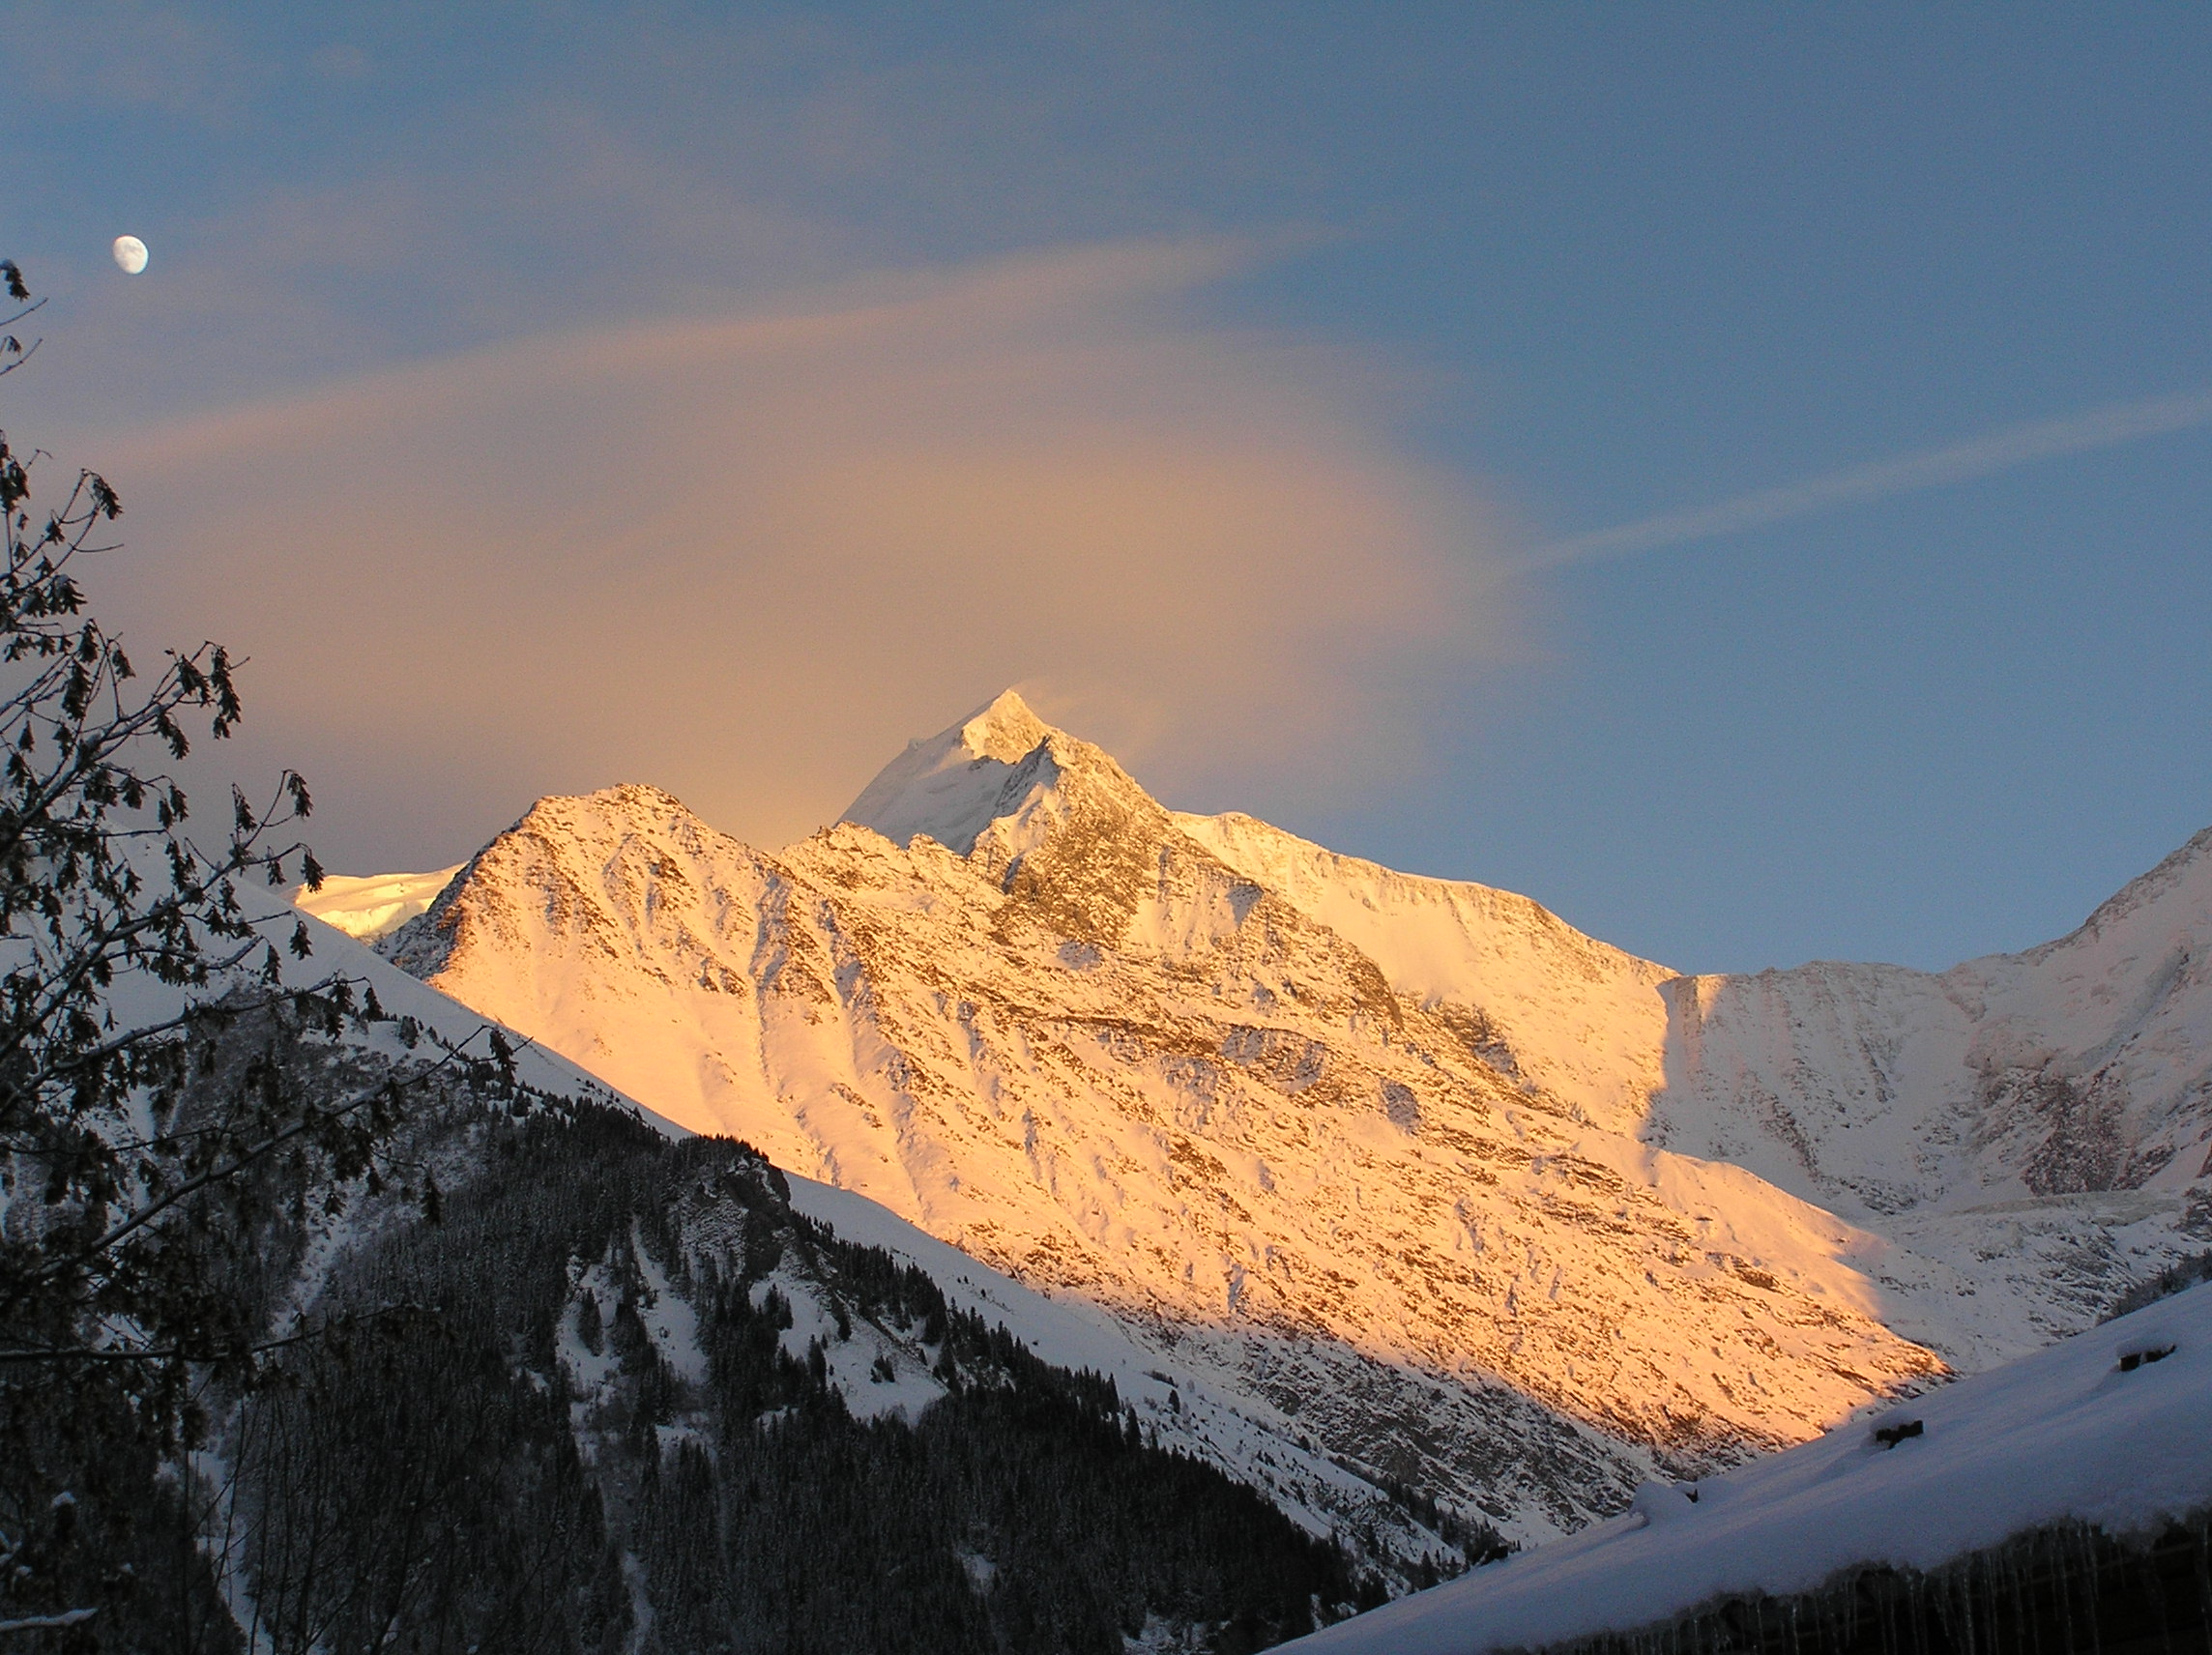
column 1424, row 1181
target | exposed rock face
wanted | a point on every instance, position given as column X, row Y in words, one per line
column 1425, row 1175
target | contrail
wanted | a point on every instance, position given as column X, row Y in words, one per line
column 1999, row 450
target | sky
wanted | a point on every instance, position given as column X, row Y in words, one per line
column 1740, row 474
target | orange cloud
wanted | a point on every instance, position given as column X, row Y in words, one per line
column 745, row 557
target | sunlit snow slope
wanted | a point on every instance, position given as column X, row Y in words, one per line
column 375, row 906
column 450, row 1025
column 1431, row 1180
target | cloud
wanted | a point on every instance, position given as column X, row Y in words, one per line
column 745, row 556
column 1960, row 462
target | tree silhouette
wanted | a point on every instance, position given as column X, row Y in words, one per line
column 144, row 979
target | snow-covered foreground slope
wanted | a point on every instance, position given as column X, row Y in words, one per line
column 2063, row 1434
column 1419, row 1174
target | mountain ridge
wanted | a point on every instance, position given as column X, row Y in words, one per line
column 1414, row 1167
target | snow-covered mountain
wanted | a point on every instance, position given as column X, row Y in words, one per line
column 1413, row 1173
column 2019, row 1124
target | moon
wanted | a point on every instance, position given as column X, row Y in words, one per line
column 130, row 254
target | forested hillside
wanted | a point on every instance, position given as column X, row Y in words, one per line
column 597, row 1434
column 578, row 1387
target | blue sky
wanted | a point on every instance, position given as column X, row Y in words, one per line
column 1124, row 326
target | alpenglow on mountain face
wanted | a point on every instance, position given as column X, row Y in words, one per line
column 1428, row 1181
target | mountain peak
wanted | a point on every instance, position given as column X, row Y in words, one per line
column 952, row 785
column 623, row 797
column 1006, row 730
